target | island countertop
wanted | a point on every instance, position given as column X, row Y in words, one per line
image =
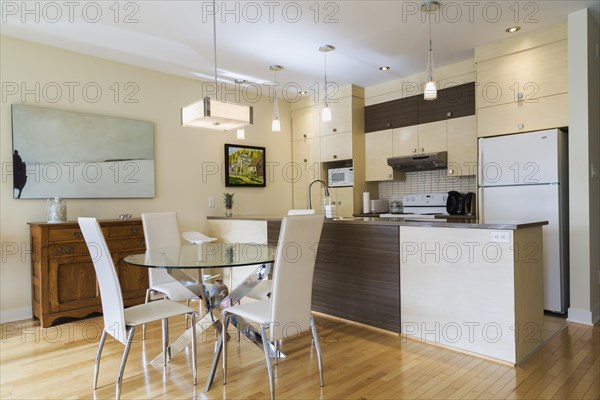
column 506, row 224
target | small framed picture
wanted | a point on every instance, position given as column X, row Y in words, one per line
column 245, row 166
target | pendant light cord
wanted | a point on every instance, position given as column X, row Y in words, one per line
column 325, row 100
column 215, row 43
column 430, row 58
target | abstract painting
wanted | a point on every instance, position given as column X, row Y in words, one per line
column 79, row 155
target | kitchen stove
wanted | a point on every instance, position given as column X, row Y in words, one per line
column 422, row 206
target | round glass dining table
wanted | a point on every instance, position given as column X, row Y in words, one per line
column 206, row 255
column 194, row 266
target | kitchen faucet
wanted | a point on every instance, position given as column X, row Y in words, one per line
column 309, row 205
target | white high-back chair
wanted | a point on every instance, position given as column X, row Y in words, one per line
column 119, row 322
column 161, row 230
column 290, row 301
column 263, row 289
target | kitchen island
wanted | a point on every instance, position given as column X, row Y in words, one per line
column 471, row 285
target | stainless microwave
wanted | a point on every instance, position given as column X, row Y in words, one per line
column 337, row 177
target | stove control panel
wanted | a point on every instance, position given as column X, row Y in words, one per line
column 425, row 199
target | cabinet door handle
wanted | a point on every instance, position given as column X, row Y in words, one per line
column 414, row 150
column 304, row 135
column 422, row 150
column 449, row 114
column 305, row 160
column 78, row 234
column 134, row 231
column 389, row 124
column 450, row 172
column 334, row 156
column 334, row 130
column 520, row 126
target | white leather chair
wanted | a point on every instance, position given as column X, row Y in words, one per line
column 263, row 289
column 290, row 301
column 118, row 321
column 161, row 230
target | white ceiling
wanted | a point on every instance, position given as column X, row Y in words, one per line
column 176, row 36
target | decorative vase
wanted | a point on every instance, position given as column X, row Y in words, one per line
column 229, row 212
column 56, row 210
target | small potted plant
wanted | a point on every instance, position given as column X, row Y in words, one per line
column 228, row 201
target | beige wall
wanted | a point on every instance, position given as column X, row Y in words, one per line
column 584, row 152
column 180, row 153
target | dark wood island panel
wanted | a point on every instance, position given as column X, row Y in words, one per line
column 357, row 273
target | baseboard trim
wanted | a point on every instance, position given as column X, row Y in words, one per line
column 585, row 317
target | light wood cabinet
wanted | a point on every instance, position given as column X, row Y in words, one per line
column 336, row 147
column 523, row 76
column 420, row 139
column 457, row 136
column 462, row 146
column 307, row 167
column 339, row 142
column 344, row 200
column 305, row 123
column 539, row 114
column 378, row 148
column 341, row 117
column 63, row 276
column 405, row 141
column 523, row 83
column 432, row 137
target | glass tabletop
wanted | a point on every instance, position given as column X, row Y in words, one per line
column 206, row 255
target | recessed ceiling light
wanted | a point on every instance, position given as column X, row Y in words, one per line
column 241, row 81
column 513, row 29
column 384, row 68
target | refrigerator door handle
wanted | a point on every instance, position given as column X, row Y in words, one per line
column 480, row 164
column 480, row 215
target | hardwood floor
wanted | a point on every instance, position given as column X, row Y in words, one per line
column 360, row 363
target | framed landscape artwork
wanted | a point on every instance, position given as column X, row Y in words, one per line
column 79, row 155
column 245, row 166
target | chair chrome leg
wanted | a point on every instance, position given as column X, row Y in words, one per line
column 225, row 324
column 187, row 316
column 318, row 347
column 276, row 347
column 123, row 361
column 148, row 291
column 98, row 354
column 165, row 342
column 265, row 339
column 194, row 370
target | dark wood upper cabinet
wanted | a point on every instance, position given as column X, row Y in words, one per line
column 453, row 102
column 391, row 114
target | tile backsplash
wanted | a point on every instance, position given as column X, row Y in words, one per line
column 436, row 181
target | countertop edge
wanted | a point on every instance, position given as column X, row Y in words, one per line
column 466, row 224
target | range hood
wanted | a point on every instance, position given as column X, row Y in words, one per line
column 419, row 162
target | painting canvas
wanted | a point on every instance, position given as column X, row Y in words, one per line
column 245, row 166
column 80, row 155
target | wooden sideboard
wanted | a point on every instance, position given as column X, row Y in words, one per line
column 62, row 273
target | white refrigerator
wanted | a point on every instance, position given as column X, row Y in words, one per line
column 525, row 177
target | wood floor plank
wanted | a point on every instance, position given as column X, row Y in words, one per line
column 360, row 363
